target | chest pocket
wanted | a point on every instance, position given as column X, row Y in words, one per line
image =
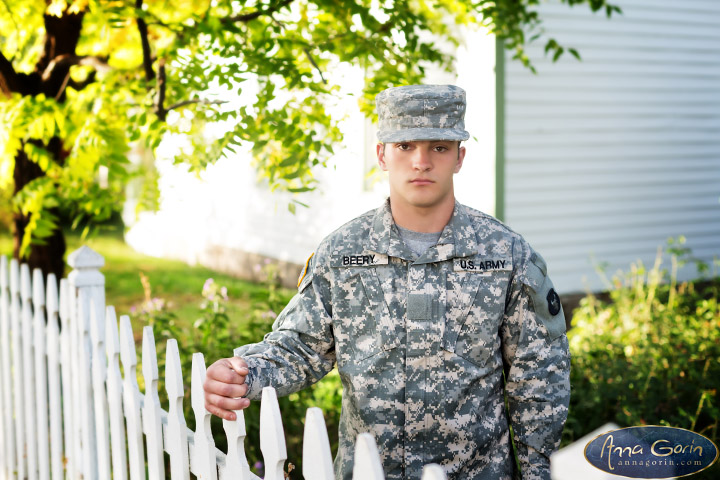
column 361, row 318
column 473, row 314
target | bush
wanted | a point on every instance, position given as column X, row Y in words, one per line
column 649, row 356
column 215, row 335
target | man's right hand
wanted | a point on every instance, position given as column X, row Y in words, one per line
column 224, row 386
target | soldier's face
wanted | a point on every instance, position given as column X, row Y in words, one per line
column 421, row 172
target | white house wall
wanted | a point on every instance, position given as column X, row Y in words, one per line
column 607, row 158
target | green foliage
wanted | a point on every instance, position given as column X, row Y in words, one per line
column 136, row 74
column 92, row 131
column 649, row 355
column 215, row 335
column 513, row 21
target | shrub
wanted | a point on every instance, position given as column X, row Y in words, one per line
column 649, row 355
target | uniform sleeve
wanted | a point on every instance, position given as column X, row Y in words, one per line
column 537, row 364
column 300, row 349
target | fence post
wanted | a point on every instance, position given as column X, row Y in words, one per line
column 236, row 462
column 433, row 471
column 272, row 437
column 176, row 443
column 8, row 431
column 131, row 401
column 18, row 370
column 69, row 393
column 115, row 397
column 54, row 390
column 367, row 459
column 203, row 458
column 29, row 371
column 87, row 293
column 152, row 422
column 41, row 398
column 100, row 402
column 317, row 458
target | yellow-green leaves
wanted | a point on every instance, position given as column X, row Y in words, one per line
column 86, row 136
column 35, row 201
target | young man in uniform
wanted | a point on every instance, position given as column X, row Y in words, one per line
column 433, row 312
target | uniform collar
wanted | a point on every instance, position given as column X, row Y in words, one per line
column 384, row 237
column 457, row 239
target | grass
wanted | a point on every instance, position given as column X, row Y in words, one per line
column 172, row 280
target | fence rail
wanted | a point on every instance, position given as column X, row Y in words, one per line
column 67, row 411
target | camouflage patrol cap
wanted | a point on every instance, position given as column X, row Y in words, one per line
column 421, row 112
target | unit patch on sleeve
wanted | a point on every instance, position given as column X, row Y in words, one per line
column 305, row 269
column 553, row 302
column 482, row 264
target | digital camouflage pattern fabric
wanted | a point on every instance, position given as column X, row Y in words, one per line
column 422, row 344
column 421, row 112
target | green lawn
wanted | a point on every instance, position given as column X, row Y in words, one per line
column 173, row 281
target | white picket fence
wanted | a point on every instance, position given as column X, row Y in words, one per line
column 66, row 410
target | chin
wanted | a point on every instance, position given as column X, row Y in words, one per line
column 424, row 202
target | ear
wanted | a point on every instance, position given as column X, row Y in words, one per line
column 461, row 157
column 380, row 150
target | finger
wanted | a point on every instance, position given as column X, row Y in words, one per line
column 229, row 390
column 223, row 371
column 239, row 365
column 223, row 407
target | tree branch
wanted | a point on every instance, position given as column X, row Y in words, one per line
column 8, row 76
column 147, row 57
column 195, row 100
column 161, row 84
column 97, row 63
column 62, row 86
column 258, row 13
column 312, row 60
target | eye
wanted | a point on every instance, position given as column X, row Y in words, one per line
column 441, row 148
column 403, row 146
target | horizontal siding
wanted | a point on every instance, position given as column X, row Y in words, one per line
column 608, row 157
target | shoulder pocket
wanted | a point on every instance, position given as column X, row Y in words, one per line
column 544, row 297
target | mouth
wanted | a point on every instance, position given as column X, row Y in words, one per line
column 421, row 181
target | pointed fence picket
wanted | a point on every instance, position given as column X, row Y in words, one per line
column 67, row 411
column 202, row 460
column 29, row 368
column 6, row 407
column 18, row 369
column 53, row 377
column 41, row 401
column 6, row 411
column 114, row 390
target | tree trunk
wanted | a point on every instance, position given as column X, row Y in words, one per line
column 48, row 257
column 61, row 38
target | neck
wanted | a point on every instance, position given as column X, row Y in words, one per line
column 422, row 219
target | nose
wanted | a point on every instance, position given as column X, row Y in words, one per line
column 421, row 160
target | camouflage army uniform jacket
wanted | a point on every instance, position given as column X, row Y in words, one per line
column 426, row 346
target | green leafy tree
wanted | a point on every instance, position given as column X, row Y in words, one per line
column 82, row 81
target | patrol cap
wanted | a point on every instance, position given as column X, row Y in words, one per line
column 421, row 112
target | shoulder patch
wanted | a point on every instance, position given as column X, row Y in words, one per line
column 305, row 270
column 544, row 297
